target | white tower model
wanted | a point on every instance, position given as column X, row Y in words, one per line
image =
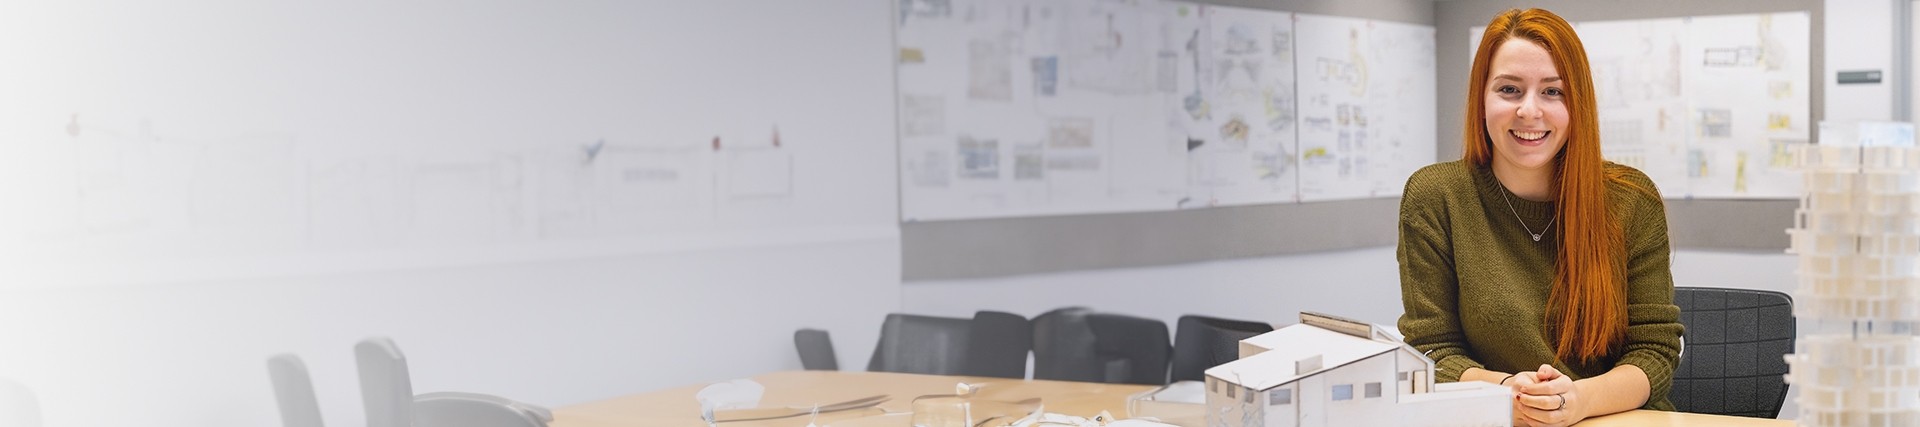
column 1858, row 237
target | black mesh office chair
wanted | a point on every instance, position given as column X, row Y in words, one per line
column 1736, row 340
column 987, row 345
column 1201, row 342
column 1077, row 344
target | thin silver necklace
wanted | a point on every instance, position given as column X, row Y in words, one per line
column 1523, row 223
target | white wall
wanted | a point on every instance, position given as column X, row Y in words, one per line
column 1859, row 36
column 552, row 333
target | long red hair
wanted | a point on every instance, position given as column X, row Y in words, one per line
column 1587, row 313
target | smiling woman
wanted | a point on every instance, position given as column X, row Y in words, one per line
column 1531, row 262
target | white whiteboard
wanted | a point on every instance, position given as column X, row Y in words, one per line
column 206, row 139
column 1704, row 105
column 1040, row 107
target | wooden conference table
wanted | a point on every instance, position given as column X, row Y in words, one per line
column 676, row 407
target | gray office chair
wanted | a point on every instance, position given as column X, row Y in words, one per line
column 986, row 345
column 1736, row 340
column 1201, row 342
column 293, row 389
column 387, row 389
column 816, row 350
column 18, row 406
column 1078, row 344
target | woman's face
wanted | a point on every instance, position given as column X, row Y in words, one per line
column 1526, row 114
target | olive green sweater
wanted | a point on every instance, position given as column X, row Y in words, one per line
column 1475, row 284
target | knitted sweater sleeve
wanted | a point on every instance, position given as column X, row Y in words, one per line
column 1653, row 321
column 1429, row 289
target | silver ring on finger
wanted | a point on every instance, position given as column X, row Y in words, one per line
column 1563, row 401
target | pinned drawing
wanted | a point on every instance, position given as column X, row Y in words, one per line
column 989, row 71
column 979, row 158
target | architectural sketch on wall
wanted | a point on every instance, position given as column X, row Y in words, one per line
column 1643, row 111
column 1143, row 106
column 1366, row 92
column 1748, row 84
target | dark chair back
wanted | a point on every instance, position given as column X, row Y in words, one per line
column 921, row 345
column 1134, row 350
column 1736, row 340
column 991, row 344
column 816, row 350
column 1063, row 347
column 1077, row 344
column 1201, row 342
column 998, row 344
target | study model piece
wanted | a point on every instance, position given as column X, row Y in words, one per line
column 1858, row 238
column 1329, row 371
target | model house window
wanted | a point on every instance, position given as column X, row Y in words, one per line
column 1213, row 386
column 1373, row 390
column 1230, row 391
column 1280, row 397
column 1343, row 392
column 1250, row 394
column 1401, row 377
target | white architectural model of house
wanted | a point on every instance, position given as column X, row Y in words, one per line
column 1328, row 371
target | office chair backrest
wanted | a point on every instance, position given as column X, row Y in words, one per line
column 1135, row 349
column 385, row 386
column 921, row 345
column 1063, row 347
column 1201, row 342
column 293, row 389
column 18, row 406
column 997, row 345
column 1736, row 340
column 816, row 350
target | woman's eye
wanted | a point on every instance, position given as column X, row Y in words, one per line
column 1553, row 91
column 1509, row 90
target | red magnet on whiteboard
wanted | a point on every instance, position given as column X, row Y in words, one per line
column 776, row 137
column 716, row 143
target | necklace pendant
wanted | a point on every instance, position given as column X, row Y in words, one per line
column 1536, row 237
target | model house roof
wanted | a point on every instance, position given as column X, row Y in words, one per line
column 1296, row 352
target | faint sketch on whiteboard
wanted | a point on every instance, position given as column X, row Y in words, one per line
column 356, row 201
column 1234, row 132
column 246, row 193
column 1029, row 162
column 650, row 178
column 1361, row 129
column 932, row 169
column 912, row 55
column 1166, row 67
column 922, row 115
column 1697, row 164
column 925, row 9
column 1045, row 75
column 1742, row 56
column 1074, row 162
column 1715, row 122
column 758, row 173
column 1110, row 53
column 990, row 71
column 1280, row 108
column 1070, row 133
column 979, row 158
column 1780, row 89
column 1270, row 167
column 465, row 199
